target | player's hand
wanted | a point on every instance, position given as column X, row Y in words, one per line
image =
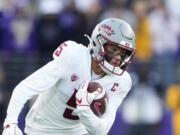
column 83, row 97
column 12, row 129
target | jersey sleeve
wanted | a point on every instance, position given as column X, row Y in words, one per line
column 68, row 52
column 36, row 83
column 102, row 125
column 98, row 125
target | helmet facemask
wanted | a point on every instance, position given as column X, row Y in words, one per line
column 110, row 55
column 110, row 61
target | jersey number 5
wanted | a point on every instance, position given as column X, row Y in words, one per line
column 59, row 49
column 68, row 112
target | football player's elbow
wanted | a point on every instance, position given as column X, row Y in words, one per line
column 102, row 128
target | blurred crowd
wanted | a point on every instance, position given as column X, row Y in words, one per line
column 30, row 30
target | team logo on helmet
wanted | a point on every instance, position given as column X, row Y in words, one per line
column 74, row 77
column 126, row 43
column 107, row 29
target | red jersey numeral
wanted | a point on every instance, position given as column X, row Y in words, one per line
column 59, row 49
column 68, row 112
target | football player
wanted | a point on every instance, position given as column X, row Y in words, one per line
column 57, row 84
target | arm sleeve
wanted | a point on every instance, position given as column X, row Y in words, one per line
column 35, row 84
column 99, row 125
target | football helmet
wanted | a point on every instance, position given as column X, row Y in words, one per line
column 115, row 32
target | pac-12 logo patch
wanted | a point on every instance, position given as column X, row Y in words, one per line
column 74, row 77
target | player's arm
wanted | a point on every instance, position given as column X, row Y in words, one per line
column 96, row 125
column 36, row 83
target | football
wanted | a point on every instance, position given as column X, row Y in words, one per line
column 98, row 106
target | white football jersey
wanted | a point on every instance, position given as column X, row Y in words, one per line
column 56, row 83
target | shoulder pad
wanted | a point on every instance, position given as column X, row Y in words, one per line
column 67, row 47
column 69, row 52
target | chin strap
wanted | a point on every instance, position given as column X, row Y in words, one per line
column 90, row 41
column 90, row 44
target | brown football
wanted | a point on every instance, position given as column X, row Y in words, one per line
column 98, row 106
column 93, row 86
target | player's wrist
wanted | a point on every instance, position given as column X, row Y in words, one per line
column 12, row 129
column 10, row 120
column 7, row 125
